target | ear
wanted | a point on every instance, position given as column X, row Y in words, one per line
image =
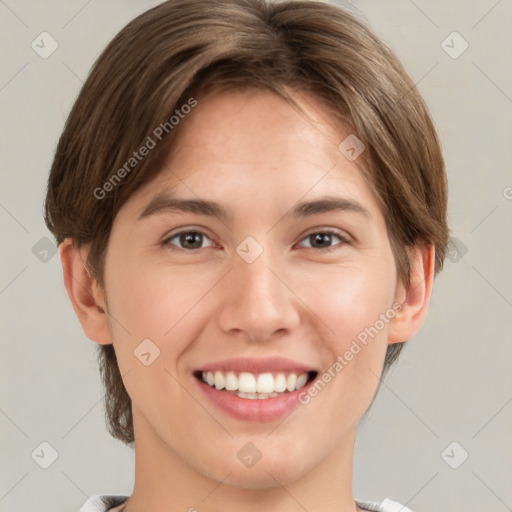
column 415, row 298
column 86, row 296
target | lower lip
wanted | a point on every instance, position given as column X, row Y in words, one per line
column 267, row 409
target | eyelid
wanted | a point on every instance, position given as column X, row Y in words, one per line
column 187, row 229
column 342, row 235
column 331, row 230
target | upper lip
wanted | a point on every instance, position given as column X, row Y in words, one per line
column 257, row 365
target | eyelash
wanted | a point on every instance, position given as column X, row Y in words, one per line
column 326, row 231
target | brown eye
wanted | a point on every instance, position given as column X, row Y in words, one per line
column 187, row 240
column 324, row 239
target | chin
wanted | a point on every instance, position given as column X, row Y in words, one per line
column 265, row 474
column 260, row 480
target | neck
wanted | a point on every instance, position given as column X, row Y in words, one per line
column 165, row 482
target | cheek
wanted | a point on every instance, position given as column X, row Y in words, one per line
column 350, row 299
column 152, row 299
column 165, row 305
column 351, row 303
column 161, row 308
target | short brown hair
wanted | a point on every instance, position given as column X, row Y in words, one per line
column 179, row 49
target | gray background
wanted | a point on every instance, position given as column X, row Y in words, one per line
column 453, row 382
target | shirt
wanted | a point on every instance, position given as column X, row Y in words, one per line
column 114, row 503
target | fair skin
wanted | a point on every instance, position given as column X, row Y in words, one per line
column 257, row 156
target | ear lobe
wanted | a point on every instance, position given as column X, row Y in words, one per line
column 415, row 298
column 85, row 295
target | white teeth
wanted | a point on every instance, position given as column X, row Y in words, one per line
column 251, row 386
column 280, row 383
column 265, row 383
column 231, row 382
column 291, row 382
column 219, row 380
column 250, row 396
column 246, row 383
column 301, row 381
column 256, row 396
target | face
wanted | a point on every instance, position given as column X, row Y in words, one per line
column 272, row 287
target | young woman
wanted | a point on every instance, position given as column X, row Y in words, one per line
column 249, row 199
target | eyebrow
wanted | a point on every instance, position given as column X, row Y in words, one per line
column 163, row 204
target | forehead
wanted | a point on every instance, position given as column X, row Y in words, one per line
column 255, row 147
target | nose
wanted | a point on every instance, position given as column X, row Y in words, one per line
column 257, row 301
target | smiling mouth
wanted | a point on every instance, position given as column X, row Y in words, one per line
column 253, row 386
